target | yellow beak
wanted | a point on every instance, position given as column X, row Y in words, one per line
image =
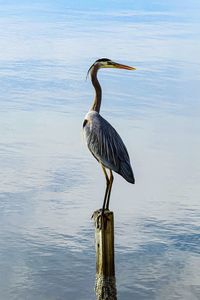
column 120, row 66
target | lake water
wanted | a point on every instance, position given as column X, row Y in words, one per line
column 50, row 184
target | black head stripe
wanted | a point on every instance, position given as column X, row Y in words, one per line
column 103, row 60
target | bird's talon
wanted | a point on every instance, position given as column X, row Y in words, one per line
column 101, row 219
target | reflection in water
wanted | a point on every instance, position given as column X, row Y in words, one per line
column 48, row 186
column 161, row 268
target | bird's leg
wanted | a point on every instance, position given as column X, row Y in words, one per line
column 101, row 215
column 109, row 189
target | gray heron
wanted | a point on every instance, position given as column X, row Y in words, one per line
column 102, row 139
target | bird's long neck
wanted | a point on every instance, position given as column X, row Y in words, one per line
column 97, row 99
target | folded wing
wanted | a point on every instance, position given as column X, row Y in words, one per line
column 107, row 146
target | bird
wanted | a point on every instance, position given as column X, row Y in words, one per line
column 102, row 139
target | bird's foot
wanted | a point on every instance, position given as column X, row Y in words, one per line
column 100, row 218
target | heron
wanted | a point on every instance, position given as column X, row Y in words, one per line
column 102, row 139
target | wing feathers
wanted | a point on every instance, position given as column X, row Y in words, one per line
column 107, row 146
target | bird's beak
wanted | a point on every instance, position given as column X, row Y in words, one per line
column 120, row 66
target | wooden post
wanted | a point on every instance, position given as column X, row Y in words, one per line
column 105, row 287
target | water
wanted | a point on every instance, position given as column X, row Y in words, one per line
column 50, row 184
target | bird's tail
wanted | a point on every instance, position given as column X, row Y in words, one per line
column 127, row 172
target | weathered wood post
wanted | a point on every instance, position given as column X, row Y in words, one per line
column 105, row 286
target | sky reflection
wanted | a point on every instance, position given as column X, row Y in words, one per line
column 50, row 185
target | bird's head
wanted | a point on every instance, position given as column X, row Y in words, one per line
column 108, row 63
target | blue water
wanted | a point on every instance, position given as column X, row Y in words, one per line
column 50, row 184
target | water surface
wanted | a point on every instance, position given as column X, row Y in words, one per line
column 50, row 184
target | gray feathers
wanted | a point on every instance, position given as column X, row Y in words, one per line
column 107, row 146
